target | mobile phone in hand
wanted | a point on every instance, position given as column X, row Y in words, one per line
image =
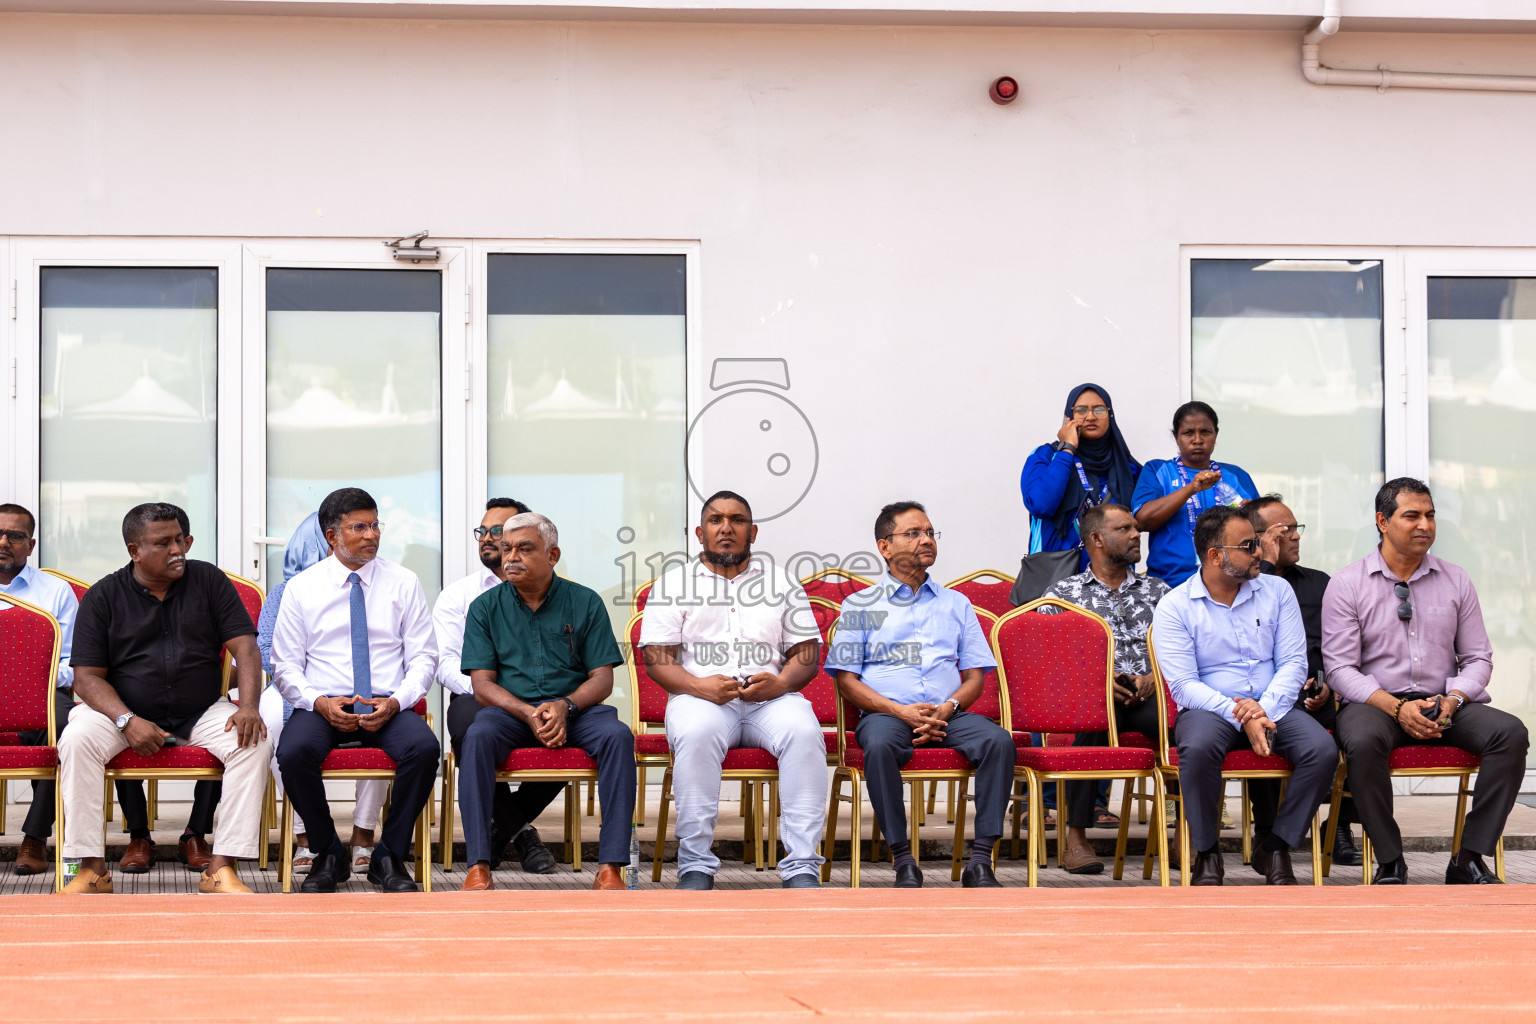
column 1433, row 714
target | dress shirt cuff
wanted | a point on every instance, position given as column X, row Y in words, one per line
column 409, row 693
column 455, row 681
column 1275, row 707
column 307, row 697
column 1476, row 692
column 1354, row 687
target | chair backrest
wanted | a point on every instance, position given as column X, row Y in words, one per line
column 821, row 691
column 30, row 639
column 1167, row 710
column 834, row 584
column 78, row 585
column 986, row 588
column 642, row 593
column 1056, row 670
column 252, row 597
column 990, row 703
column 647, row 700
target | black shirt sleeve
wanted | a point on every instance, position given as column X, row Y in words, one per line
column 92, row 623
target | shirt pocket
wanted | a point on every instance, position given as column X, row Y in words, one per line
column 1264, row 638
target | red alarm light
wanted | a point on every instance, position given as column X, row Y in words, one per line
column 1004, row 90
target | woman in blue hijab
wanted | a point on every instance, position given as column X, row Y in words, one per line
column 1088, row 464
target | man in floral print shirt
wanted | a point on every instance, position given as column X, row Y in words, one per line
column 1112, row 590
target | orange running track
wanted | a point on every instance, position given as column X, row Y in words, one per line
column 1255, row 955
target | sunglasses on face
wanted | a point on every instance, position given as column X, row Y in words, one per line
column 1248, row 546
column 1404, row 610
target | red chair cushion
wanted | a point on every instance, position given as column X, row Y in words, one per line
column 939, row 759
column 28, row 757
column 1140, row 741
column 1242, row 761
column 1085, row 759
column 1410, row 758
column 565, row 759
column 357, row 759
column 1022, row 740
column 168, row 758
column 10, row 739
column 652, row 743
column 754, row 759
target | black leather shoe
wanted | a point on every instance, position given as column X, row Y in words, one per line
column 1468, row 869
column 328, row 871
column 1209, row 869
column 1344, row 849
column 909, row 876
column 388, row 872
column 696, row 881
column 532, row 853
column 979, row 876
column 1277, row 868
column 1393, row 872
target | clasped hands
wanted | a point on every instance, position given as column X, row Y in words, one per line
column 718, row 689
column 1413, row 722
column 1131, row 690
column 333, row 710
column 1256, row 723
column 927, row 721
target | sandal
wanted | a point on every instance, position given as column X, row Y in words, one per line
column 303, row 860
column 1102, row 818
column 362, row 856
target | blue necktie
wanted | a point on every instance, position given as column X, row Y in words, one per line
column 362, row 672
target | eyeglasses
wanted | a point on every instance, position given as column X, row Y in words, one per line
column 1296, row 529
column 1250, row 546
column 1404, row 610
column 359, row 529
column 15, row 536
column 482, row 532
column 1084, row 410
column 913, row 536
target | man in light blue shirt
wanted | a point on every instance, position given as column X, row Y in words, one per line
column 57, row 598
column 910, row 655
column 1236, row 688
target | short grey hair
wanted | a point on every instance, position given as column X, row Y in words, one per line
column 547, row 532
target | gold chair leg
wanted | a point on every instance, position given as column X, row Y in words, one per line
column 640, row 796
column 58, row 836
column 3, row 806
column 919, row 806
column 746, row 823
column 424, row 847
column 1498, row 860
column 1061, row 823
column 1317, row 847
column 956, row 867
column 267, row 797
column 573, row 796
column 1016, row 811
column 1160, row 824
column 1185, row 855
column 914, row 823
column 661, row 824
column 1365, row 856
column 742, row 810
column 829, row 839
column 450, row 782
column 759, row 800
column 773, row 825
column 154, row 803
column 1125, row 830
column 591, row 799
column 1245, row 817
column 285, row 851
column 1334, row 800
column 107, row 801
column 933, row 795
column 949, row 812
column 855, row 816
column 1034, row 848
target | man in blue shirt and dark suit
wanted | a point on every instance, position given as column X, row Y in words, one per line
column 1236, row 687
column 910, row 655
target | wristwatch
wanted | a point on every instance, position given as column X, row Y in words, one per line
column 571, row 710
column 122, row 720
column 1062, row 446
column 956, row 703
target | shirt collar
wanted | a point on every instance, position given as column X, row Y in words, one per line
column 25, row 578
column 896, row 588
column 1197, row 588
column 555, row 583
column 1375, row 563
column 702, row 569
column 1128, row 583
column 339, row 573
column 488, row 579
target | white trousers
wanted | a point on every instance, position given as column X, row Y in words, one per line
column 370, row 792
column 92, row 740
column 700, row 732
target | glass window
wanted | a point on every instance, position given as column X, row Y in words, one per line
column 587, row 404
column 353, row 400
column 1482, row 417
column 129, row 407
column 1288, row 352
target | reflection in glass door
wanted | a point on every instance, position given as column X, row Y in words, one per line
column 1482, row 421
column 129, row 405
column 353, row 400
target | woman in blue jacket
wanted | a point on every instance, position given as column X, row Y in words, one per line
column 1173, row 492
column 1088, row 464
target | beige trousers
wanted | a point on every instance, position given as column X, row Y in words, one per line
column 92, row 740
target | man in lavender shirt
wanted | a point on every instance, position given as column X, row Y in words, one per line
column 1405, row 648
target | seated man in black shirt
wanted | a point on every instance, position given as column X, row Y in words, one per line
column 148, row 667
column 1280, row 555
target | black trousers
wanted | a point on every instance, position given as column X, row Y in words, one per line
column 505, row 811
column 1140, row 718
column 887, row 744
column 1205, row 738
column 308, row 738
column 130, row 794
column 1264, row 794
column 1369, row 735
column 597, row 730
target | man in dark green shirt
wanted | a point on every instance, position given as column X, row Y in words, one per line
column 540, row 653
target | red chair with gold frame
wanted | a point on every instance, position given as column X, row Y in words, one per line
column 1239, row 764
column 1057, row 676
column 834, row 584
column 936, row 764
column 360, row 763
column 30, row 641
column 1417, row 761
column 993, row 596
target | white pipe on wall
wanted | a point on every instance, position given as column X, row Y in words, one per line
column 1318, row 73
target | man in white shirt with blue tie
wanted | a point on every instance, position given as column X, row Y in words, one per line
column 30, row 584
column 353, row 653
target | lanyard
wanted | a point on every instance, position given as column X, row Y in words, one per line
column 1192, row 507
column 1082, row 475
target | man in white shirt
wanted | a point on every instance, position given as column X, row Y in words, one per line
column 733, row 640
column 20, row 580
column 511, row 816
column 354, row 633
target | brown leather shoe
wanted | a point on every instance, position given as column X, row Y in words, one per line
column 478, row 880
column 195, row 852
column 1208, row 869
column 1277, row 869
column 1081, row 860
column 608, row 877
column 222, row 881
column 137, row 858
column 89, row 882
column 31, row 858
